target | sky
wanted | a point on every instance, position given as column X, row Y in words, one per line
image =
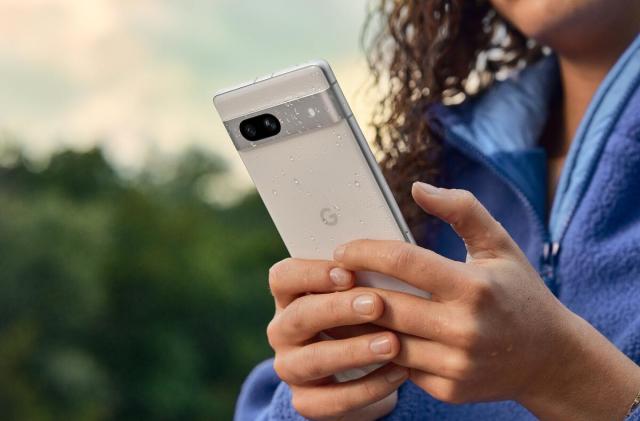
column 137, row 77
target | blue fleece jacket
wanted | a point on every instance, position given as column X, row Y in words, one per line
column 587, row 250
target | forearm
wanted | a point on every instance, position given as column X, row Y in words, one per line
column 590, row 380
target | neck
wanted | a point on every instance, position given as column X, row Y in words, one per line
column 582, row 71
column 579, row 84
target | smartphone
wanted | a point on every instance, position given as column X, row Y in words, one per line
column 312, row 166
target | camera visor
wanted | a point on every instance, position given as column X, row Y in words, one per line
column 260, row 127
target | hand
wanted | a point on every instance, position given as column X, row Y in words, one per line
column 492, row 330
column 316, row 296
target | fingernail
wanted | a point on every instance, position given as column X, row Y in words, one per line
column 396, row 374
column 427, row 188
column 380, row 345
column 363, row 304
column 340, row 277
column 338, row 253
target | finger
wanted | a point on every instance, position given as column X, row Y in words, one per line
column 326, row 358
column 468, row 217
column 415, row 265
column 305, row 317
column 443, row 389
column 434, row 357
column 339, row 399
column 292, row 278
column 416, row 316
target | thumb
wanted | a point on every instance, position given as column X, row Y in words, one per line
column 483, row 236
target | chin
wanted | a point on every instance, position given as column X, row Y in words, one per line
column 559, row 22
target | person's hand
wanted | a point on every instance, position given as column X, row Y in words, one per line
column 492, row 330
column 316, row 296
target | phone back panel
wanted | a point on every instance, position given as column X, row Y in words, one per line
column 318, row 179
column 320, row 192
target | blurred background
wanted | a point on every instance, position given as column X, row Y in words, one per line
column 133, row 248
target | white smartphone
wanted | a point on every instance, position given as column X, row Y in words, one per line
column 312, row 166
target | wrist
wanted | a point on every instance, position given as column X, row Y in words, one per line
column 588, row 378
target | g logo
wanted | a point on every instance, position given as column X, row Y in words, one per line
column 328, row 216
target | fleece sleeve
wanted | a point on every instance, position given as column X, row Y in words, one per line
column 264, row 397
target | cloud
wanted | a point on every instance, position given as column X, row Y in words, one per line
column 138, row 76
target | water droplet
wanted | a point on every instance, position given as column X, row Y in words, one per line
column 253, row 144
column 291, row 158
column 275, row 192
column 296, row 181
column 356, row 183
column 339, row 136
column 361, row 222
column 312, row 238
column 336, row 207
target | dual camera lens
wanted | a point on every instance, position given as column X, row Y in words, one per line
column 259, row 127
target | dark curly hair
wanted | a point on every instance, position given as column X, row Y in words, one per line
column 422, row 52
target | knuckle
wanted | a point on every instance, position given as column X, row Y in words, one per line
column 295, row 321
column 272, row 332
column 466, row 204
column 371, row 391
column 301, row 405
column 401, row 257
column 335, row 307
column 280, row 367
column 289, row 321
column 466, row 199
column 483, row 294
column 309, row 275
column 275, row 272
column 311, row 366
column 468, row 336
column 450, row 392
column 352, row 352
column 435, row 323
column 459, row 365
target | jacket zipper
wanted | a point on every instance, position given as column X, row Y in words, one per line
column 550, row 252
column 550, row 249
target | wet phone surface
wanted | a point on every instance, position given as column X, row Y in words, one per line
column 314, row 172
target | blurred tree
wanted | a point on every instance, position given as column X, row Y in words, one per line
column 128, row 299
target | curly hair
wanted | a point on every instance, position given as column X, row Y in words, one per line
column 422, row 52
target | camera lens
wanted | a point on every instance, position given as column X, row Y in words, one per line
column 270, row 123
column 260, row 127
column 248, row 130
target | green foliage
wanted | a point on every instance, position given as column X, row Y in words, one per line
column 128, row 299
